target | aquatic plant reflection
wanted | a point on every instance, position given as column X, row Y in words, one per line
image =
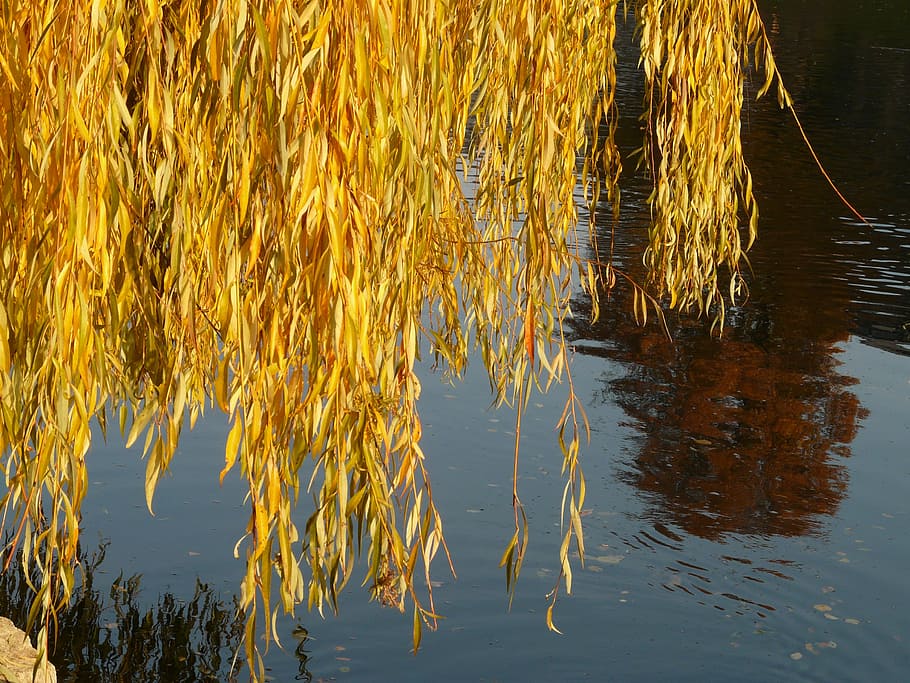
column 122, row 637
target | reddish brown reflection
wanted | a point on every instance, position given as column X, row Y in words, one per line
column 746, row 434
column 736, row 437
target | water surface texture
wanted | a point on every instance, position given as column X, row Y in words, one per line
column 748, row 497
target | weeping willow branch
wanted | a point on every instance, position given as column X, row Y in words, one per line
column 258, row 209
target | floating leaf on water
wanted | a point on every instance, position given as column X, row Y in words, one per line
column 609, row 559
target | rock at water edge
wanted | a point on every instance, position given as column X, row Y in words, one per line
column 17, row 657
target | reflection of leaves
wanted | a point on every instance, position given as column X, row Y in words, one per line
column 302, row 636
column 173, row 640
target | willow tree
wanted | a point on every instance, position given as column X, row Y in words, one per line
column 258, row 207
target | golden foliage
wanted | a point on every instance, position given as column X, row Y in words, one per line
column 693, row 53
column 259, row 206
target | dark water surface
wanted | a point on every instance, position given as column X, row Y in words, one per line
column 748, row 498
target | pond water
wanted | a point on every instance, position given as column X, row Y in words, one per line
column 748, row 497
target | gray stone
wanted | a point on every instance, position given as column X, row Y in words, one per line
column 17, row 657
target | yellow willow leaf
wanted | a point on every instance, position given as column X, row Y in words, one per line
column 261, row 529
column 180, row 397
column 262, row 36
column 361, row 62
column 153, row 472
column 77, row 118
column 567, row 571
column 222, row 376
column 308, row 58
column 6, row 68
column 152, row 104
column 232, row 448
column 322, row 27
column 530, row 331
column 5, row 360
column 417, row 633
column 274, row 497
column 506, row 559
column 255, row 245
column 354, row 503
column 579, row 534
column 122, row 109
column 140, row 422
column 550, row 623
column 243, row 196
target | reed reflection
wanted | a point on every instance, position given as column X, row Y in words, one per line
column 120, row 637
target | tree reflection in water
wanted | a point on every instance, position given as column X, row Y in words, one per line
column 742, row 434
column 747, row 434
column 121, row 638
column 734, row 438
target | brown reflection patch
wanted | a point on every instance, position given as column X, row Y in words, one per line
column 743, row 434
